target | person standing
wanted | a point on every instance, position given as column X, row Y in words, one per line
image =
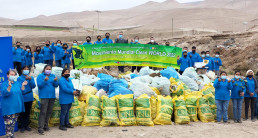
column 88, row 41
column 237, row 96
column 210, row 59
column 48, row 52
column 58, row 49
column 28, row 57
column 18, row 53
column 98, row 40
column 217, row 63
column 251, row 94
column 38, row 57
column 66, row 55
column 12, row 101
column 47, row 82
column 184, row 62
column 121, row 39
column 107, row 40
column 136, row 41
column 27, row 98
column 194, row 56
column 222, row 96
column 66, row 98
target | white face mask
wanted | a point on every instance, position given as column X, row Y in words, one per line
column 152, row 41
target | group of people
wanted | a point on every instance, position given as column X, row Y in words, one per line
column 189, row 59
column 17, row 98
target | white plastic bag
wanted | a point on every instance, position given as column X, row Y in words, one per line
column 57, row 92
column 163, row 84
column 203, row 79
column 100, row 93
column 189, row 82
column 146, row 71
column 74, row 71
column 211, row 75
column 57, row 71
column 143, row 79
column 76, row 84
column 88, row 80
column 35, row 90
column 38, row 69
column 191, row 73
column 140, row 88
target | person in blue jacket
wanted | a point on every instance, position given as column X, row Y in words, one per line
column 210, row 66
column 47, row 82
column 12, row 101
column 28, row 57
column 98, row 40
column 185, row 49
column 194, row 56
column 48, row 52
column 18, row 52
column 251, row 94
column 237, row 96
column 38, row 57
column 65, row 55
column 203, row 70
column 88, row 41
column 217, row 63
column 66, row 98
column 184, row 62
column 107, row 40
column 24, row 61
column 136, row 41
column 27, row 98
column 58, row 49
column 222, row 96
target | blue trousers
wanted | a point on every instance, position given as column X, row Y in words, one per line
column 58, row 63
column 67, row 65
column 222, row 110
column 49, row 62
column 64, row 116
column 237, row 108
column 256, row 108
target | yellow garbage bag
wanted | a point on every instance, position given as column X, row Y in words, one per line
column 153, row 101
column 164, row 110
column 109, row 111
column 204, row 111
column 180, row 114
column 87, row 90
column 143, row 111
column 191, row 105
column 211, row 101
column 75, row 116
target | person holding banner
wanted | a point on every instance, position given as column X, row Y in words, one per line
column 167, row 43
column 27, row 98
column 28, row 57
column 107, row 40
column 65, row 55
column 98, row 40
column 48, row 52
column 136, row 41
column 58, row 49
column 120, row 39
column 18, row 52
column 38, row 57
column 12, row 101
column 152, row 41
column 184, row 62
column 47, row 82
column 88, row 41
column 194, row 56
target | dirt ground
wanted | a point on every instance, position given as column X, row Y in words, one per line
column 198, row 129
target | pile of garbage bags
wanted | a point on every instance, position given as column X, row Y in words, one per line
column 146, row 99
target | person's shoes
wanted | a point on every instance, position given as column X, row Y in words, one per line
column 245, row 119
column 63, row 128
column 28, row 128
column 46, row 129
column 69, row 126
column 253, row 120
column 41, row 132
column 240, row 121
column 218, row 122
column 235, row 121
column 22, row 130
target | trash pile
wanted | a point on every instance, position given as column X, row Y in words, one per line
column 145, row 99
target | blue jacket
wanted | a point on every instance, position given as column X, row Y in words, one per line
column 237, row 86
column 12, row 102
column 98, row 42
column 71, row 51
column 67, row 57
column 107, row 41
column 38, row 58
column 210, row 66
column 66, row 90
column 217, row 63
column 184, row 62
column 23, row 62
column 17, row 54
column 86, row 43
column 222, row 89
column 46, row 88
column 28, row 56
column 195, row 57
column 48, row 53
column 251, row 87
column 27, row 94
column 201, row 60
column 58, row 50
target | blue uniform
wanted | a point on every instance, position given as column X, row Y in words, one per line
column 27, row 94
column 66, row 90
column 250, row 87
column 58, row 50
column 71, row 51
column 98, row 42
column 184, row 63
column 17, row 54
column 47, row 53
column 210, row 66
column 12, row 102
column 237, row 86
column 23, row 62
column 67, row 57
column 38, row 58
column 194, row 57
column 46, row 88
column 86, row 43
column 107, row 41
column 217, row 63
column 28, row 57
column 222, row 89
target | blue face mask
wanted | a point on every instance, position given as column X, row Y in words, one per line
column 207, row 55
column 26, row 72
column 203, row 56
column 217, row 56
column 120, row 36
column 75, row 44
column 237, row 77
column 58, row 44
column 12, row 78
column 184, row 50
column 136, row 41
column 223, row 77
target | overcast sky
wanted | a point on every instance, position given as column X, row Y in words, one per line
column 22, row 9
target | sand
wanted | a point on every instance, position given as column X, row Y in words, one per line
column 201, row 130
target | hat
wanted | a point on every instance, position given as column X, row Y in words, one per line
column 249, row 71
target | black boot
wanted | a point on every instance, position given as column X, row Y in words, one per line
column 69, row 126
column 63, row 128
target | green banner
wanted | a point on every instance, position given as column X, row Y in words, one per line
column 94, row 56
